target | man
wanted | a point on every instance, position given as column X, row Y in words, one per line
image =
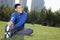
column 16, row 23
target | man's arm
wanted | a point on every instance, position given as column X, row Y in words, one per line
column 13, row 17
column 11, row 22
column 22, row 21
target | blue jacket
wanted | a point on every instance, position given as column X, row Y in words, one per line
column 18, row 19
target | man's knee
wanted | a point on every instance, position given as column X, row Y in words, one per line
column 30, row 31
column 25, row 31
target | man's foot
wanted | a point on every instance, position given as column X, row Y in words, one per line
column 7, row 32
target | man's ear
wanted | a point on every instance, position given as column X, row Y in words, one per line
column 15, row 10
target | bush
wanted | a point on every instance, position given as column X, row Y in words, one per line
column 5, row 13
column 44, row 17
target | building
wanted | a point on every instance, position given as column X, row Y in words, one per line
column 35, row 4
column 31, row 4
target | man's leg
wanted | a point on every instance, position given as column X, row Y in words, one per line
column 9, row 32
column 25, row 31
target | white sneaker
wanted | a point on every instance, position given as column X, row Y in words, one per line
column 7, row 33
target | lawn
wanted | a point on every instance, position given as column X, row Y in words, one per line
column 40, row 33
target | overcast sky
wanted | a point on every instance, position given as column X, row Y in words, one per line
column 53, row 4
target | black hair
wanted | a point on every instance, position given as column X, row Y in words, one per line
column 17, row 5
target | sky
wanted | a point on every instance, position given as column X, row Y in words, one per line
column 29, row 4
column 17, row 1
column 53, row 4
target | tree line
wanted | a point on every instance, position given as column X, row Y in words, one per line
column 43, row 17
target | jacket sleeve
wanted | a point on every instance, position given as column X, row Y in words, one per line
column 13, row 17
column 22, row 21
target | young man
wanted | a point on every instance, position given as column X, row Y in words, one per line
column 16, row 23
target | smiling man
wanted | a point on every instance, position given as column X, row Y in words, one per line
column 16, row 23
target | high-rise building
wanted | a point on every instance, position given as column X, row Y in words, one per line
column 31, row 4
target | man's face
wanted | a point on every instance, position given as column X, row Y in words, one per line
column 19, row 9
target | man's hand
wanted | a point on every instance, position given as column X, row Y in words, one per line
column 10, row 24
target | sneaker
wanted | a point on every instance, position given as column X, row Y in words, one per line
column 8, row 32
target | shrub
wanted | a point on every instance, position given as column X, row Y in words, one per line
column 5, row 13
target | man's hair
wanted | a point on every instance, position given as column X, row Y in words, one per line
column 17, row 5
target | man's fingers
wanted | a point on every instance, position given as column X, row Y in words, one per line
column 10, row 24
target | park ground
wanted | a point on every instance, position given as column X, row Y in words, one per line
column 40, row 33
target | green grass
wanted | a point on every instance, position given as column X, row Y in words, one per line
column 40, row 33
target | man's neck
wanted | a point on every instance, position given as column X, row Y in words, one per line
column 18, row 12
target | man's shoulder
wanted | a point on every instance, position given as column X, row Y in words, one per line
column 24, row 12
column 14, row 13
